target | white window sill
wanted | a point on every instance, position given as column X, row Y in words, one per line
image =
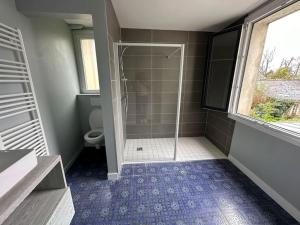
column 89, row 94
column 267, row 128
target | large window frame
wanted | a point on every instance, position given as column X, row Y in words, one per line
column 78, row 35
column 209, row 67
column 243, row 50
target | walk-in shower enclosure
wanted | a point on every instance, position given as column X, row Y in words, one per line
column 150, row 76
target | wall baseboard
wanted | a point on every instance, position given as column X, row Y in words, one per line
column 70, row 163
column 292, row 210
column 112, row 176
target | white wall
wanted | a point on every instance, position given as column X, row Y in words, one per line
column 59, row 77
column 54, row 76
column 96, row 8
column 86, row 104
column 274, row 161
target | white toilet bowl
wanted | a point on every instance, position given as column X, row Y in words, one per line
column 95, row 135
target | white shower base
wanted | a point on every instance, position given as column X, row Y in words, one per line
column 162, row 149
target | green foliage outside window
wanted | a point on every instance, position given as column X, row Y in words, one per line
column 281, row 74
column 272, row 110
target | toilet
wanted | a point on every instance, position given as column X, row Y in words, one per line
column 95, row 135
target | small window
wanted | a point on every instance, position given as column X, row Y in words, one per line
column 268, row 82
column 87, row 61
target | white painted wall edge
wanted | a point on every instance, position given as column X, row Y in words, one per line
column 112, row 176
column 267, row 128
column 292, row 210
column 71, row 162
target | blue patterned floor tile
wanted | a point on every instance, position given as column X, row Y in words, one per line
column 255, row 216
column 123, row 211
column 211, row 192
column 155, row 180
column 127, row 170
column 139, row 169
column 210, row 218
column 152, row 170
column 124, row 182
column 233, row 201
column 164, row 168
column 122, row 194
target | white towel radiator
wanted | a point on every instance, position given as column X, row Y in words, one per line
column 20, row 121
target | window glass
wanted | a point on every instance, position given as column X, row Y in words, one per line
column 89, row 64
column 220, row 69
column 271, row 84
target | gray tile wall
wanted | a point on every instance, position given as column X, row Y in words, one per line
column 153, row 84
column 219, row 130
column 153, row 114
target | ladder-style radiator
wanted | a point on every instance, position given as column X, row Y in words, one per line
column 20, row 121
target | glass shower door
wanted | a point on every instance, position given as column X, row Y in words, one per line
column 149, row 80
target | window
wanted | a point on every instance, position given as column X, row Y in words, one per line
column 87, row 61
column 220, row 68
column 267, row 79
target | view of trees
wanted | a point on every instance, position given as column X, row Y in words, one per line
column 271, row 109
column 289, row 68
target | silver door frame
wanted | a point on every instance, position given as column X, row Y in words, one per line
column 182, row 49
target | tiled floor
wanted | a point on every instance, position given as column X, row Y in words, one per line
column 162, row 149
column 197, row 148
column 209, row 192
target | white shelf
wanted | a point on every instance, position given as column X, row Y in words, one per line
column 45, row 180
column 40, row 207
column 14, row 165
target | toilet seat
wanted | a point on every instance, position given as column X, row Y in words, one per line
column 94, row 136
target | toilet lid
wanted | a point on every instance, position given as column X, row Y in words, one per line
column 95, row 119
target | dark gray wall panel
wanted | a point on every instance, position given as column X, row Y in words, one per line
column 153, row 83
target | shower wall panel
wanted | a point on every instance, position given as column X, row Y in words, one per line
column 153, row 84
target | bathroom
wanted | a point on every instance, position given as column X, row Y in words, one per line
column 151, row 127
column 156, row 93
column 67, row 107
column 79, row 97
column 136, row 111
column 150, row 87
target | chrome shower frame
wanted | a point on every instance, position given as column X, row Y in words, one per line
column 116, row 46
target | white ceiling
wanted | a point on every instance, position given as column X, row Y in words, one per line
column 204, row 15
